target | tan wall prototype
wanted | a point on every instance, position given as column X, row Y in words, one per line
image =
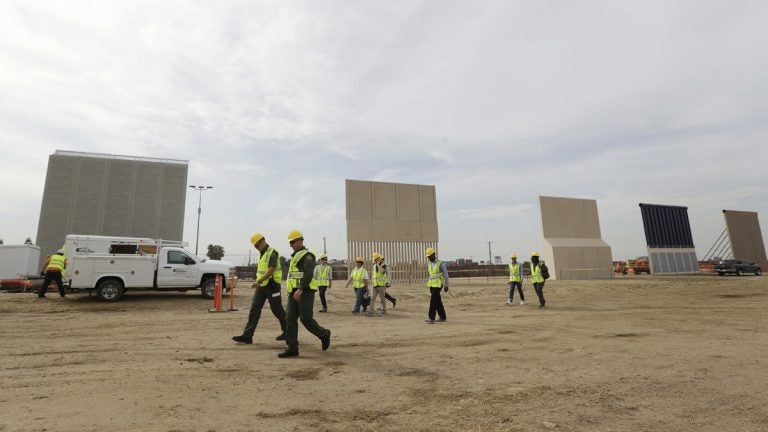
column 745, row 236
column 573, row 247
column 395, row 217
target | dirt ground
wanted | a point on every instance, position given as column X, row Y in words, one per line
column 631, row 354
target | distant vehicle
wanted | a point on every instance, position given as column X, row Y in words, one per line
column 636, row 266
column 738, row 267
column 110, row 266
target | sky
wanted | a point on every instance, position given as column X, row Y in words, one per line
column 275, row 103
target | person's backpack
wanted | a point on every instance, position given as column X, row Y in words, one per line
column 544, row 271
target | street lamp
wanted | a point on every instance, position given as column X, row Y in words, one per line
column 200, row 189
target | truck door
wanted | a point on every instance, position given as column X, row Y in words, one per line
column 176, row 269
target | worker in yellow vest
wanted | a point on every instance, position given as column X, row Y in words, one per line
column 54, row 267
column 360, row 281
column 301, row 288
column 515, row 280
column 385, row 268
column 269, row 275
column 437, row 280
column 380, row 283
column 539, row 273
column 324, row 278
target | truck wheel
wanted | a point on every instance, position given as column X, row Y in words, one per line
column 720, row 273
column 110, row 290
column 758, row 272
column 208, row 287
column 739, row 272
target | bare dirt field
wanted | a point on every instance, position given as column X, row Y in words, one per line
column 630, row 354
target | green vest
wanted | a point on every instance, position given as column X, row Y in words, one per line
column 515, row 274
column 277, row 275
column 536, row 276
column 56, row 263
column 295, row 275
column 358, row 277
column 435, row 279
column 323, row 275
column 379, row 276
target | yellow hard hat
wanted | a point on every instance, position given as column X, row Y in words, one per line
column 256, row 237
column 430, row 252
column 377, row 255
column 535, row 254
column 513, row 256
column 323, row 256
column 295, row 234
column 359, row 259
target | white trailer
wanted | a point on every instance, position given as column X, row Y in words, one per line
column 110, row 266
column 19, row 261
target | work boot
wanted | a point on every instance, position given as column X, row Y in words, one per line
column 281, row 336
column 394, row 303
column 443, row 319
column 323, row 310
column 288, row 353
column 429, row 321
column 326, row 340
column 243, row 339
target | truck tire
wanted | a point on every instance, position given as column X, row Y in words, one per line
column 110, row 290
column 758, row 272
column 720, row 273
column 208, row 287
column 739, row 272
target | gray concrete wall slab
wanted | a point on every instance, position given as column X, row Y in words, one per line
column 745, row 235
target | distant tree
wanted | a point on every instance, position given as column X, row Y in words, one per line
column 28, row 241
column 1, row 241
column 215, row 252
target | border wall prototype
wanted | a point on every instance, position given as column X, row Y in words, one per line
column 669, row 239
column 745, row 236
column 100, row 194
column 573, row 246
column 395, row 219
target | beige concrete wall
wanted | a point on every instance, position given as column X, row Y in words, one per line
column 745, row 236
column 395, row 219
column 573, row 247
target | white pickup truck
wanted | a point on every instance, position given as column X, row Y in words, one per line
column 110, row 266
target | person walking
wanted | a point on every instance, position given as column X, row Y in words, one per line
column 301, row 287
column 436, row 281
column 380, row 283
column 387, row 296
column 537, row 277
column 515, row 280
column 324, row 278
column 269, row 274
column 54, row 267
column 359, row 280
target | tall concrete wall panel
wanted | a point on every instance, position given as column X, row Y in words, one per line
column 573, row 245
column 395, row 219
column 745, row 236
column 98, row 194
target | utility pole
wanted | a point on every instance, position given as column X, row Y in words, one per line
column 324, row 250
column 199, row 205
column 490, row 262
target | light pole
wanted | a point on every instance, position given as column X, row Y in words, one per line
column 200, row 189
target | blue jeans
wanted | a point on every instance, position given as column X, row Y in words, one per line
column 359, row 293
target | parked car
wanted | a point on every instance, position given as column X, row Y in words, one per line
column 738, row 267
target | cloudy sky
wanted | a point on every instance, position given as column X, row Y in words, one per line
column 275, row 103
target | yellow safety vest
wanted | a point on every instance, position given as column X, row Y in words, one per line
column 295, row 275
column 358, row 277
column 379, row 276
column 323, row 275
column 277, row 275
column 515, row 274
column 536, row 276
column 435, row 279
column 56, row 263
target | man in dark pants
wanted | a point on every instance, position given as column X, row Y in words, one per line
column 537, row 278
column 515, row 280
column 436, row 281
column 301, row 297
column 54, row 267
column 267, row 285
column 383, row 269
column 324, row 278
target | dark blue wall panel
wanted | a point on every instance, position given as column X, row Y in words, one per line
column 666, row 226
